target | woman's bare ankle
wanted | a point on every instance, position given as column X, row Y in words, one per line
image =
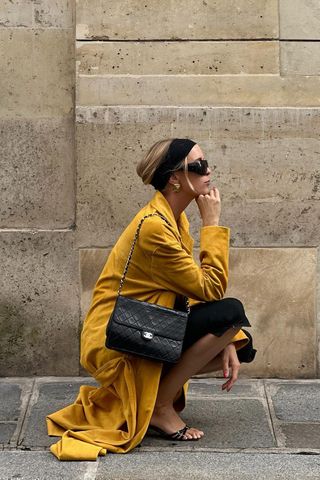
column 160, row 406
column 168, row 421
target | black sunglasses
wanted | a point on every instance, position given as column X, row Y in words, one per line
column 200, row 167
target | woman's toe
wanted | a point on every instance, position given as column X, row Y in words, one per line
column 195, row 434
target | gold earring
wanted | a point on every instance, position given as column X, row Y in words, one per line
column 176, row 187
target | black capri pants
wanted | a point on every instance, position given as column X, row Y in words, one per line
column 217, row 317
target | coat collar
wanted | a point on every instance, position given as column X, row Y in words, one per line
column 160, row 204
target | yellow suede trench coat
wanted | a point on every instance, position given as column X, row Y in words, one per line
column 115, row 416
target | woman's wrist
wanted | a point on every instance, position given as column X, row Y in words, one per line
column 208, row 222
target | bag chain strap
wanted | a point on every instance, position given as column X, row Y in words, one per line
column 131, row 252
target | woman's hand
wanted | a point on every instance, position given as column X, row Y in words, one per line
column 231, row 362
column 210, row 207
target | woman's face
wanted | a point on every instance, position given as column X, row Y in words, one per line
column 200, row 184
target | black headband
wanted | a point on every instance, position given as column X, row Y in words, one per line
column 178, row 150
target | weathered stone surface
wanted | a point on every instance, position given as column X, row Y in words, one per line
column 57, row 14
column 6, row 432
column 215, row 90
column 278, row 290
column 170, row 58
column 41, row 466
column 16, row 13
column 301, row 435
column 211, row 387
column 39, row 13
column 235, row 423
column 317, row 342
column 50, row 398
column 268, row 222
column 154, row 465
column 91, row 262
column 258, row 157
column 38, row 66
column 137, row 20
column 37, row 173
column 300, row 58
column 39, row 314
column 299, row 19
column 9, row 401
column 298, row 402
column 208, row 466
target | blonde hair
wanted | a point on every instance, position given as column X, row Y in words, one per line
column 154, row 157
column 151, row 161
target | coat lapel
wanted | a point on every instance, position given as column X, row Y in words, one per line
column 160, row 204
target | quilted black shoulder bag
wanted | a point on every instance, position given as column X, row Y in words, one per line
column 146, row 329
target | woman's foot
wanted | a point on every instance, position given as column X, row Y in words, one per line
column 167, row 419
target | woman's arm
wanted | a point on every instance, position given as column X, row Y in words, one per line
column 175, row 270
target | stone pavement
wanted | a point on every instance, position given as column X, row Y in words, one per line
column 262, row 429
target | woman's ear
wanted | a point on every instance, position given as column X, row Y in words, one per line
column 173, row 179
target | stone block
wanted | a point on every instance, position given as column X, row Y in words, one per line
column 175, row 58
column 50, row 397
column 17, row 13
column 57, row 14
column 211, row 387
column 209, row 466
column 258, row 158
column 300, row 58
column 6, row 432
column 10, row 401
column 194, row 90
column 41, row 466
column 296, row 402
column 299, row 19
column 278, row 290
column 318, row 312
column 235, row 423
column 154, row 465
column 39, row 314
column 37, row 14
column 129, row 20
column 91, row 262
column 38, row 72
column 37, row 173
column 301, row 435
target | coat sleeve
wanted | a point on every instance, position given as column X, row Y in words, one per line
column 174, row 269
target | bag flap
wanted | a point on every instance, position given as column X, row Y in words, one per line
column 150, row 317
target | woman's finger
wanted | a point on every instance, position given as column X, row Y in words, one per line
column 216, row 193
column 234, row 377
column 225, row 366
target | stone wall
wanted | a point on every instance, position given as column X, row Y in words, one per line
column 39, row 306
column 241, row 77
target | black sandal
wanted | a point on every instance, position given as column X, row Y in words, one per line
column 178, row 435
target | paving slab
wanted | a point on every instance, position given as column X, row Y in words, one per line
column 10, row 401
column 212, row 387
column 48, row 398
column 6, row 432
column 40, row 466
column 236, row 420
column 14, row 397
column 301, row 435
column 298, row 402
column 213, row 466
column 229, row 423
